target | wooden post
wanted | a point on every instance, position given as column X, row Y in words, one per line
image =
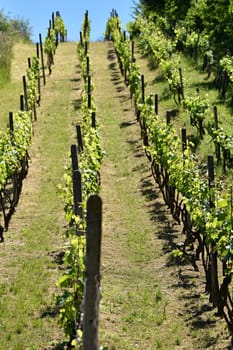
column 181, row 83
column 92, row 283
column 132, row 50
column 143, row 88
column 184, row 139
column 93, row 120
column 81, row 38
column 50, row 24
column 74, row 157
column 85, row 23
column 214, row 294
column 42, row 58
column 86, row 48
column 79, row 138
column 38, row 83
column 53, row 20
column 216, row 117
column 88, row 66
column 29, row 63
column 210, row 170
column 89, row 91
column 38, row 50
column 156, row 104
column 217, row 145
column 11, row 125
column 21, row 102
column 77, row 194
column 25, row 93
column 34, row 112
column 168, row 116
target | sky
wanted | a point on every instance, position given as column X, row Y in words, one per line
column 38, row 13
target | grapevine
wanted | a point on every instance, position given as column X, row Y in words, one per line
column 72, row 281
column 203, row 207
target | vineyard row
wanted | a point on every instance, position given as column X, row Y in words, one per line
column 200, row 204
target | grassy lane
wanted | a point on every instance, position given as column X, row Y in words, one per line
column 30, row 255
column 136, row 307
column 146, row 299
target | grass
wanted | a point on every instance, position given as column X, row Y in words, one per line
column 139, row 307
column 143, row 305
column 146, row 303
column 30, row 255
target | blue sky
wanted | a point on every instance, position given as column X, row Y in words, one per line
column 72, row 11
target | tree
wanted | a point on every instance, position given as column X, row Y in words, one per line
column 21, row 28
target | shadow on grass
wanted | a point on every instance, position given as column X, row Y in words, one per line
column 165, row 95
column 116, row 76
column 158, row 79
column 77, row 104
column 57, row 257
column 127, row 123
column 50, row 312
column 186, row 280
column 200, row 317
column 204, row 85
column 167, row 228
column 197, row 311
column 198, row 314
column 75, row 80
column 58, row 346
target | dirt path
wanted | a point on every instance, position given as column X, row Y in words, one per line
column 144, row 295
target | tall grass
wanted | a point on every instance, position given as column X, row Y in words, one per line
column 6, row 44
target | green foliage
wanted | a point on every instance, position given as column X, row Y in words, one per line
column 32, row 82
column 14, row 146
column 154, row 43
column 6, row 44
column 59, row 26
column 197, row 106
column 170, row 70
column 226, row 65
column 113, row 28
column 13, row 149
column 72, row 280
column 50, row 42
column 183, row 181
column 207, row 23
column 72, row 284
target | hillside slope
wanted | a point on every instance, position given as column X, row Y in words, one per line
column 147, row 301
column 31, row 253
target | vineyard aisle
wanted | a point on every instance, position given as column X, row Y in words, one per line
column 30, row 257
column 141, row 305
column 146, row 299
